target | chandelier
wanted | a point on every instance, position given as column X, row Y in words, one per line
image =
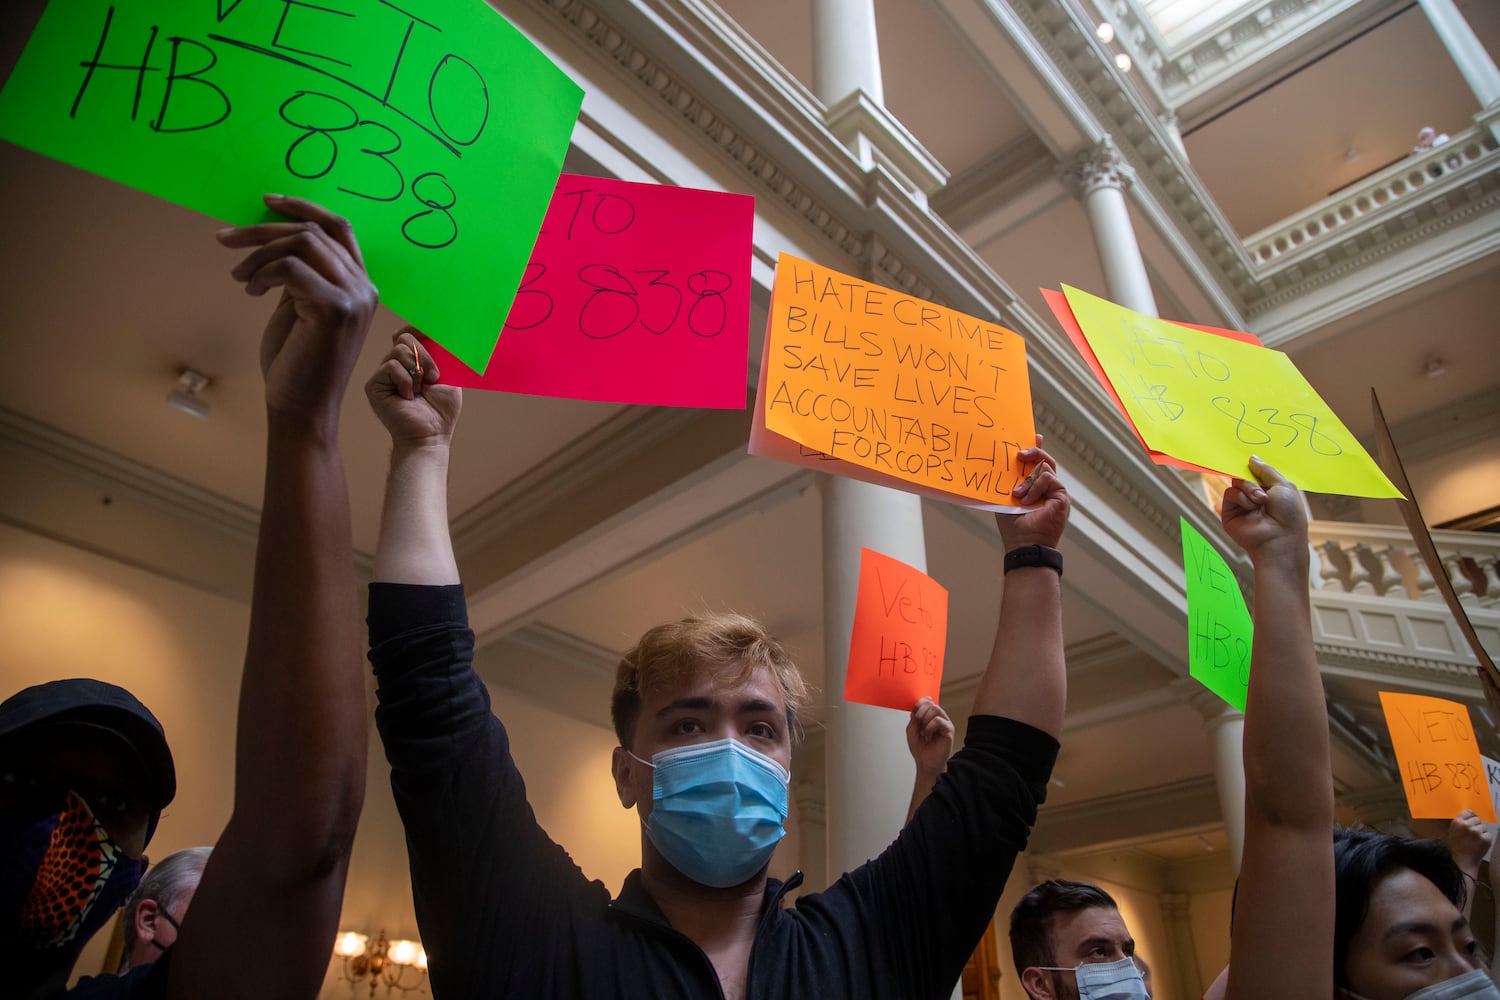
column 397, row 965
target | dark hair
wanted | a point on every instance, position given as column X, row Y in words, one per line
column 1031, row 920
column 1361, row 858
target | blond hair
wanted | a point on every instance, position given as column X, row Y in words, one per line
column 669, row 654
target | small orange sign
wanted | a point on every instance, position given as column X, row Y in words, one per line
column 900, row 632
column 1441, row 768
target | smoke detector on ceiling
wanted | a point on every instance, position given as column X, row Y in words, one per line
column 185, row 395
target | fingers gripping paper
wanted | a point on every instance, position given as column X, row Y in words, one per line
column 906, row 390
column 1438, row 757
column 900, row 633
column 437, row 128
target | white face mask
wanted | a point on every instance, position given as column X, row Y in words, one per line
column 1475, row 984
column 1110, row 980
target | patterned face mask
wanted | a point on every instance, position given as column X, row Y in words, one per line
column 64, row 875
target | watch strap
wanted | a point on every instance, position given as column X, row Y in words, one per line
column 1034, row 555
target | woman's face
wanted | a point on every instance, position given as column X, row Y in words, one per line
column 1412, row 937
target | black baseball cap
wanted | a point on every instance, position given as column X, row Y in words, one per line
column 84, row 701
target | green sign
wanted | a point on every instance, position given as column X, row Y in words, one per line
column 436, row 127
column 1219, row 626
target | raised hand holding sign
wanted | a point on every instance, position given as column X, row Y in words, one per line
column 388, row 114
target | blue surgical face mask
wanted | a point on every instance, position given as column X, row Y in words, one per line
column 1107, row 980
column 718, row 810
column 1475, row 984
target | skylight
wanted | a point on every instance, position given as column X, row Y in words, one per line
column 1179, row 22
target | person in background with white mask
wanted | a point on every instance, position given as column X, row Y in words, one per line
column 1069, row 942
column 705, row 710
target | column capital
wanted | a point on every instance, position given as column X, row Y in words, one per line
column 1098, row 166
column 1382, row 807
column 1215, row 710
column 1176, row 906
column 810, row 801
column 1042, row 868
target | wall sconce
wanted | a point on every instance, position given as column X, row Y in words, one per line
column 381, row 962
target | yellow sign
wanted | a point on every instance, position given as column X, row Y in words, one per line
column 896, row 385
column 1214, row 401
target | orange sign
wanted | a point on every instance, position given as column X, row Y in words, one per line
column 900, row 387
column 900, row 632
column 1440, row 764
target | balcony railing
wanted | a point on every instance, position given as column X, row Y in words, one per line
column 1381, row 197
column 1382, row 561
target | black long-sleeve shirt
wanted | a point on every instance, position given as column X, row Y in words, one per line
column 504, row 912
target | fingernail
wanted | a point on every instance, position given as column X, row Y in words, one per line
column 224, row 232
column 275, row 197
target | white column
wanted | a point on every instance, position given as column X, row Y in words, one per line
column 869, row 770
column 1173, row 126
column 1225, row 727
column 812, row 822
column 1098, row 177
column 1176, row 914
column 1465, row 49
column 846, row 51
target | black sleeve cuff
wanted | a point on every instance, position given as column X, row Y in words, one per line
column 397, row 608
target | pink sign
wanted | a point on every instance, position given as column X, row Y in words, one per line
column 635, row 293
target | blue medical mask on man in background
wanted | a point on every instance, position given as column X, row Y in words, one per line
column 718, row 810
column 1107, row 980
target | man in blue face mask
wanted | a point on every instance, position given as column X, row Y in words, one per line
column 1069, row 942
column 705, row 710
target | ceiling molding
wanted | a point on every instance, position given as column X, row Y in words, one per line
column 77, row 457
column 554, row 643
column 1462, row 422
column 1401, row 671
column 1127, row 818
column 583, row 463
column 991, row 185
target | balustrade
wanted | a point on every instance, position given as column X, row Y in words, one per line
column 1384, row 193
column 1383, row 561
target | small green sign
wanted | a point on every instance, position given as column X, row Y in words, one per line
column 437, row 128
column 1219, row 626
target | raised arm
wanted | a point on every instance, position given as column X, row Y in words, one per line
column 275, row 883
column 929, row 737
column 1468, row 839
column 1025, row 679
column 420, row 415
column 1282, row 943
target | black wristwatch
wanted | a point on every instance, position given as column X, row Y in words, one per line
column 1034, row 555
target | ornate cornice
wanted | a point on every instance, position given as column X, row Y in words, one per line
column 660, row 80
column 1057, row 430
column 1402, row 668
column 1421, row 221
